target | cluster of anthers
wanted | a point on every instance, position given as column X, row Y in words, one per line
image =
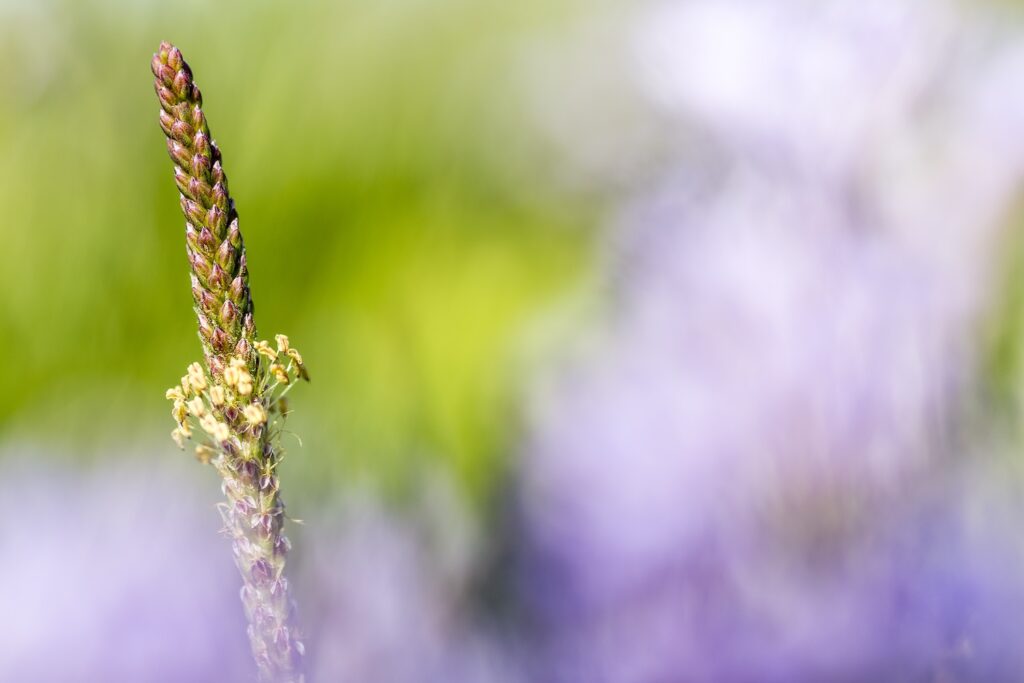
column 237, row 410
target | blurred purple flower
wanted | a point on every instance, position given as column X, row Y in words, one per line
column 115, row 573
column 746, row 474
column 390, row 598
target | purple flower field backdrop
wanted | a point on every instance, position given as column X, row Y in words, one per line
column 651, row 342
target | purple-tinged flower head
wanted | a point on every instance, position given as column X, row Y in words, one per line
column 114, row 573
column 236, row 405
column 216, row 252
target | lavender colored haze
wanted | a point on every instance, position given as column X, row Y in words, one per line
column 120, row 576
column 755, row 469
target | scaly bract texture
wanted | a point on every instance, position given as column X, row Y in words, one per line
column 235, row 405
column 216, row 253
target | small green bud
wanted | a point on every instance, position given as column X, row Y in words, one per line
column 219, row 340
column 178, row 153
column 193, row 212
column 198, row 189
column 200, row 165
column 216, row 218
column 237, row 290
column 173, row 57
column 206, row 239
column 205, row 328
column 201, row 144
column 181, row 131
column 165, row 74
column 228, row 313
column 219, row 195
column 234, row 234
column 196, row 118
column 181, row 83
column 191, row 239
column 156, row 64
column 218, row 281
column 243, row 348
column 181, row 179
column 202, row 297
column 167, row 98
column 200, row 265
column 166, row 122
column 226, row 255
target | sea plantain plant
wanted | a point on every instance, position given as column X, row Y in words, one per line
column 233, row 405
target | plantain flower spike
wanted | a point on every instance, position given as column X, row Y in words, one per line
column 233, row 405
column 216, row 252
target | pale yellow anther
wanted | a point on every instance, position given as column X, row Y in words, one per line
column 178, row 437
column 282, row 343
column 186, row 385
column 218, row 430
column 295, row 355
column 197, row 407
column 263, row 347
column 217, row 396
column 179, row 412
column 239, row 363
column 231, row 375
column 221, row 432
column 279, row 374
column 196, row 376
column 174, row 394
column 208, row 422
column 255, row 414
column 244, row 383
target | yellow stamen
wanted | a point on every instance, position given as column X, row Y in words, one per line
column 263, row 347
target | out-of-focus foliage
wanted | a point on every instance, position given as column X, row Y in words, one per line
column 397, row 223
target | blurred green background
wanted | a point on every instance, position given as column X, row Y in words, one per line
column 399, row 222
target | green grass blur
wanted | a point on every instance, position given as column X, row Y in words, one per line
column 394, row 204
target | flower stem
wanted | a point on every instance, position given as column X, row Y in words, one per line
column 232, row 401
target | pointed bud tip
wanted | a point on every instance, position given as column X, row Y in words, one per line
column 228, row 312
column 174, row 59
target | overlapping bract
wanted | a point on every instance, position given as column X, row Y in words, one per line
column 235, row 405
column 216, row 252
